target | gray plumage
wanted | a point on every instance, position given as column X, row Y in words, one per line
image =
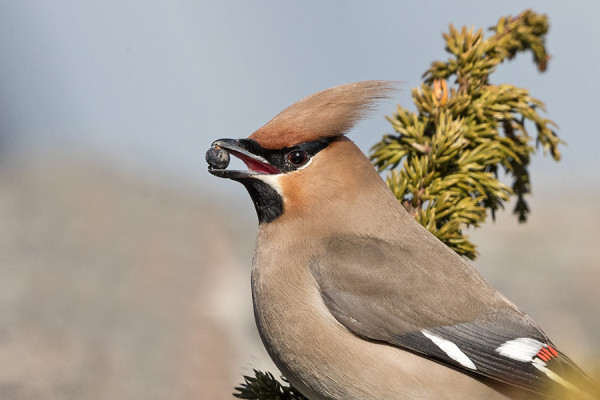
column 354, row 299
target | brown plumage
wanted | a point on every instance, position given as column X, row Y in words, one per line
column 332, row 112
column 353, row 298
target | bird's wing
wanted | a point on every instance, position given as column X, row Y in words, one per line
column 424, row 298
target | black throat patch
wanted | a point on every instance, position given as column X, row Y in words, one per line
column 267, row 202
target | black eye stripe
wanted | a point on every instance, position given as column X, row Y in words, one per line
column 278, row 157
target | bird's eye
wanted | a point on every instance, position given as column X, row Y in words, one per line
column 297, row 158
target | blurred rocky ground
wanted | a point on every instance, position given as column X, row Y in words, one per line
column 114, row 286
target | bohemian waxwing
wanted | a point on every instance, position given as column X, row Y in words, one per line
column 353, row 298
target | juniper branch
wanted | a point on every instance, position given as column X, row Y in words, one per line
column 444, row 159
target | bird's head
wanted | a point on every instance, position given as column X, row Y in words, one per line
column 302, row 156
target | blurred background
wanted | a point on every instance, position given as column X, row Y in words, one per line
column 125, row 266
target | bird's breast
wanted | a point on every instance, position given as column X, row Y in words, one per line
column 319, row 355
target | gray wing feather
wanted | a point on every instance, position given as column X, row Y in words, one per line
column 381, row 290
column 391, row 292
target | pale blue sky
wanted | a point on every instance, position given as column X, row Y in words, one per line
column 156, row 81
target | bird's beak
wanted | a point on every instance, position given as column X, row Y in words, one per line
column 255, row 163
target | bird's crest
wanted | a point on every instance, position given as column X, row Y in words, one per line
column 332, row 112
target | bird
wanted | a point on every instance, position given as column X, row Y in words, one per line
column 352, row 297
